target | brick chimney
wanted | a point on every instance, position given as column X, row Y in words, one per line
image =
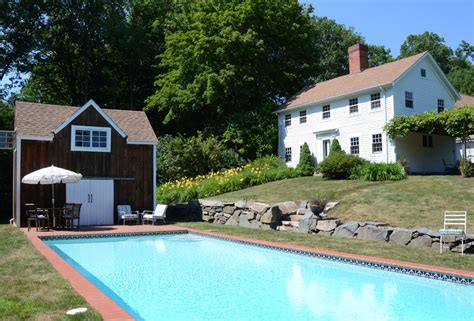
column 358, row 58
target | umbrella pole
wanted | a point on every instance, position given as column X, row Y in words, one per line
column 52, row 200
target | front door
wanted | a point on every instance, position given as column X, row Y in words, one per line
column 97, row 199
column 326, row 147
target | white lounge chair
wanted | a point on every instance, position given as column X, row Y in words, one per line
column 125, row 213
column 454, row 218
column 158, row 214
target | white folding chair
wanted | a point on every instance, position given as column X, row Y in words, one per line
column 454, row 218
column 158, row 214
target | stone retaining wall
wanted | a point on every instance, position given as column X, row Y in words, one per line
column 289, row 216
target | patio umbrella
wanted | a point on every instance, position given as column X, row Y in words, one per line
column 50, row 176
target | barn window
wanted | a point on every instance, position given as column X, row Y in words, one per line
column 376, row 143
column 440, row 105
column 375, row 101
column 288, row 154
column 353, row 105
column 90, row 139
column 6, row 139
column 408, row 99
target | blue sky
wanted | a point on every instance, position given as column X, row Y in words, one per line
column 389, row 22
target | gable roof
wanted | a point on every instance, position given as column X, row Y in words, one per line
column 41, row 120
column 90, row 104
column 369, row 78
column 465, row 100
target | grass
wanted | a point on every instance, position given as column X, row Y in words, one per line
column 30, row 288
column 414, row 202
column 371, row 248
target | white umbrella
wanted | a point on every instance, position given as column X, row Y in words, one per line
column 50, row 176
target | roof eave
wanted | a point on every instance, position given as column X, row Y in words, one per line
column 314, row 102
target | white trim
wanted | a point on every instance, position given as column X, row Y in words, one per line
column 154, row 176
column 18, row 182
column 75, row 148
column 82, row 109
column 137, row 142
column 437, row 69
column 41, row 138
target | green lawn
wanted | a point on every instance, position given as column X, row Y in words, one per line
column 371, row 248
column 30, row 288
column 414, row 202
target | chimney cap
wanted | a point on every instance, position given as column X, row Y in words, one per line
column 358, row 46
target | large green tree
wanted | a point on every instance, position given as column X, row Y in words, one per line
column 224, row 59
column 331, row 41
column 379, row 55
column 431, row 41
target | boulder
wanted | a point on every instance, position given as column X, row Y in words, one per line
column 210, row 203
column 287, row 208
column 207, row 218
column 401, row 236
column 468, row 248
column 421, row 241
column 259, row 207
column 251, row 215
column 435, row 246
column 303, row 204
column 327, row 225
column 243, row 221
column 234, row 219
column 373, row 223
column 229, row 209
column 272, row 216
column 305, row 223
column 243, row 204
column 296, row 218
column 329, row 206
column 372, row 233
column 255, row 224
column 427, row 231
column 451, row 238
column 346, row 230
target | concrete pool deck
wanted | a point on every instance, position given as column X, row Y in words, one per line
column 112, row 311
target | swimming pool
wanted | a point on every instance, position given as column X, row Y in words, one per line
column 193, row 277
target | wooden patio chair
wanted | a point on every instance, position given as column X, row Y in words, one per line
column 37, row 215
column 74, row 213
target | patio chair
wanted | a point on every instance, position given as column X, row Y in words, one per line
column 454, row 218
column 158, row 214
column 37, row 215
column 72, row 213
column 125, row 214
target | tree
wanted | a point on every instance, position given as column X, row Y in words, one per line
column 335, row 147
column 306, row 164
column 463, row 79
column 431, row 41
column 331, row 41
column 379, row 55
column 227, row 58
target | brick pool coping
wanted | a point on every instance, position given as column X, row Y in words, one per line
column 112, row 311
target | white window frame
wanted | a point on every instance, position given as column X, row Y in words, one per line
column 375, row 101
column 352, row 141
column 409, row 97
column 427, row 141
column 377, row 142
column 303, row 118
column 326, row 113
column 288, row 154
column 354, row 106
column 440, row 105
column 287, row 120
column 8, row 138
column 75, row 148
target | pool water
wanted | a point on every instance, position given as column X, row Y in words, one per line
column 191, row 277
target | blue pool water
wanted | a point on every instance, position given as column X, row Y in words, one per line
column 190, row 277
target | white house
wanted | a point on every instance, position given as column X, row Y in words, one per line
column 354, row 109
column 463, row 102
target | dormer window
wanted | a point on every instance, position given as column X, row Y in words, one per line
column 423, row 72
column 90, row 139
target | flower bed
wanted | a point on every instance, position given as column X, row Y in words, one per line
column 261, row 171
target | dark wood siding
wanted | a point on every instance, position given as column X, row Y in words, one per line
column 131, row 166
